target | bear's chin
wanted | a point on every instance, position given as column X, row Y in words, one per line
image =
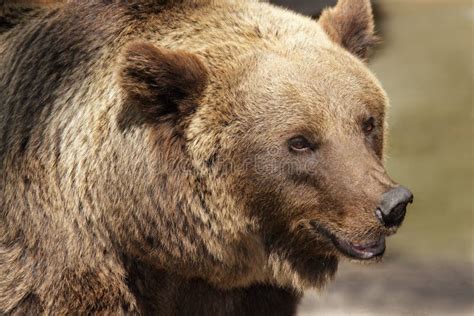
column 304, row 272
column 304, row 267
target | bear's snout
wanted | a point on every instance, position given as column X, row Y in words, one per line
column 392, row 208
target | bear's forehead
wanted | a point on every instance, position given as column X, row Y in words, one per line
column 324, row 83
column 276, row 67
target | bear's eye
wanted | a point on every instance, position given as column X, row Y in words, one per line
column 299, row 144
column 369, row 125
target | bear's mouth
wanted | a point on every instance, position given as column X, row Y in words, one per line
column 364, row 251
column 360, row 251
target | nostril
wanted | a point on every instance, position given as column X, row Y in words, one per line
column 392, row 208
column 396, row 216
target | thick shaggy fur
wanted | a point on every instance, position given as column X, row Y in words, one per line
column 135, row 138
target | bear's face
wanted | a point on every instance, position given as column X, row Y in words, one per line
column 310, row 134
column 282, row 149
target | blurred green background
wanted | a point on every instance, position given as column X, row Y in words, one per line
column 426, row 65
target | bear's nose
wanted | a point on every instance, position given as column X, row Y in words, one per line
column 393, row 206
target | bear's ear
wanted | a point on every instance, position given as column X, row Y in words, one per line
column 159, row 81
column 351, row 24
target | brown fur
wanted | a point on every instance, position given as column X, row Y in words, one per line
column 153, row 77
column 14, row 12
column 351, row 24
column 145, row 164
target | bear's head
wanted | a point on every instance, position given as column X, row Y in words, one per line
column 265, row 152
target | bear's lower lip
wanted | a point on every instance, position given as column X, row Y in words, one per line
column 361, row 251
column 364, row 251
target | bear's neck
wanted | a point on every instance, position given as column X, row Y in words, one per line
column 162, row 293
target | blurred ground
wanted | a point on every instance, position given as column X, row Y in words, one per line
column 396, row 287
column 426, row 66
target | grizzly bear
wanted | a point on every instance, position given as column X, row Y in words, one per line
column 188, row 157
